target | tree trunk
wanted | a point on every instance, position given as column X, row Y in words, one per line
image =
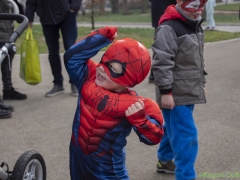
column 92, row 14
column 125, row 7
column 144, row 6
column 115, row 7
column 102, row 6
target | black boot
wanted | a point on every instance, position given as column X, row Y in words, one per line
column 5, row 107
column 5, row 114
column 151, row 77
column 11, row 94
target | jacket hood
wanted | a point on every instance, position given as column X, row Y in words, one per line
column 174, row 12
column 170, row 14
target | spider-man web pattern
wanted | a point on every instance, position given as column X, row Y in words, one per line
column 100, row 125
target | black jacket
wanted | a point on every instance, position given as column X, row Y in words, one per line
column 51, row 11
column 158, row 8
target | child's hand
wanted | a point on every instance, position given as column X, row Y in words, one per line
column 137, row 106
column 108, row 32
column 115, row 35
column 205, row 91
column 167, row 101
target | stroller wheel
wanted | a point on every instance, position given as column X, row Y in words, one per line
column 29, row 166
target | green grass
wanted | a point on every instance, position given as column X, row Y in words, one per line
column 146, row 18
column 144, row 35
column 229, row 18
column 134, row 16
column 213, row 36
column 137, row 17
column 228, row 7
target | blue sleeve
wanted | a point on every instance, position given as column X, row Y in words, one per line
column 76, row 57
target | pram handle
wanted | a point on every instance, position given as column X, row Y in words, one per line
column 20, row 19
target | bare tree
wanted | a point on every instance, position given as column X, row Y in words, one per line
column 93, row 5
column 101, row 6
column 115, row 6
column 125, row 7
column 143, row 6
column 92, row 14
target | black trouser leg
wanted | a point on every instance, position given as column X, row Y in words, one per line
column 151, row 77
column 151, row 73
column 7, row 73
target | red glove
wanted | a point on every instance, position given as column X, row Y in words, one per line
column 107, row 31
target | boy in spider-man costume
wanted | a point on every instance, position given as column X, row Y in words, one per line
column 107, row 109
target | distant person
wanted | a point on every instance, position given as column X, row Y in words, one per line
column 157, row 10
column 108, row 109
column 6, row 30
column 55, row 16
column 178, row 67
column 210, row 15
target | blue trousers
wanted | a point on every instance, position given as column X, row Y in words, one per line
column 92, row 167
column 180, row 141
column 68, row 29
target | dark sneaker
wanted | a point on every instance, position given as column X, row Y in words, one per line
column 207, row 29
column 213, row 29
column 12, row 94
column 74, row 90
column 5, row 107
column 55, row 91
column 169, row 167
column 5, row 114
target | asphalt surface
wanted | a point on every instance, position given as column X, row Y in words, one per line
column 44, row 124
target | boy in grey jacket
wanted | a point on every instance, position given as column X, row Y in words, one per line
column 178, row 68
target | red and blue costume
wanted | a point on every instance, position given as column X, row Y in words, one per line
column 100, row 125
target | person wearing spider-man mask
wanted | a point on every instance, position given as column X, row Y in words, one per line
column 178, row 67
column 107, row 107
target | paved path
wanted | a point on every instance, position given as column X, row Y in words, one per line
column 44, row 124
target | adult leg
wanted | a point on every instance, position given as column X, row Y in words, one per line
column 184, row 142
column 51, row 33
column 212, row 21
column 69, row 30
column 208, row 14
column 69, row 34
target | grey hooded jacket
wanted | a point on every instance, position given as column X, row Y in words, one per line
column 178, row 63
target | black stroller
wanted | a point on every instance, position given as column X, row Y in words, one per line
column 30, row 165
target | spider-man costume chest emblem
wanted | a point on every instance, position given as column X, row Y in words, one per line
column 107, row 111
column 102, row 104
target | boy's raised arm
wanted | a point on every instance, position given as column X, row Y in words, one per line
column 75, row 58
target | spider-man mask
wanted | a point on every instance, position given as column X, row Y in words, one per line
column 134, row 59
column 193, row 5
